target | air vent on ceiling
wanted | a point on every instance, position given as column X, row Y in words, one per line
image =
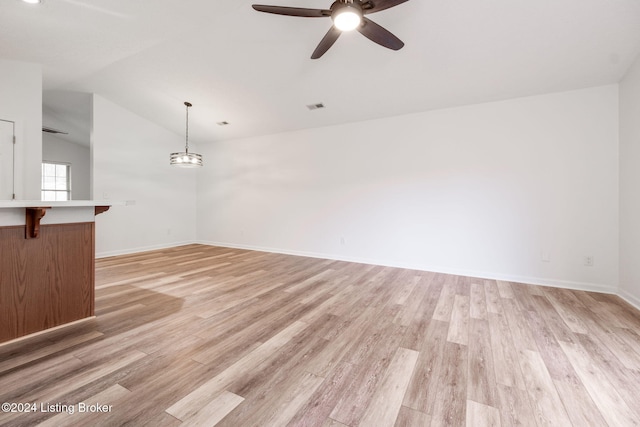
column 52, row 130
column 223, row 123
column 315, row 106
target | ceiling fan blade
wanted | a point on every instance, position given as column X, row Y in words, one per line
column 292, row 11
column 52, row 130
column 377, row 6
column 327, row 41
column 378, row 34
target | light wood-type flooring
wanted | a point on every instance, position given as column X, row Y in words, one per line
column 199, row 335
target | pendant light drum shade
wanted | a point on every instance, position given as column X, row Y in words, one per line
column 186, row 159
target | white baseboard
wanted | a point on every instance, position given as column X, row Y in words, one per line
column 631, row 299
column 581, row 286
column 130, row 251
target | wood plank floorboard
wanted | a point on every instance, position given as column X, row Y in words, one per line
column 199, row 335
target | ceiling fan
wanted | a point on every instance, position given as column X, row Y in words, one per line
column 347, row 15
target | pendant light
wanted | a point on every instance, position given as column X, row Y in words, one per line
column 186, row 159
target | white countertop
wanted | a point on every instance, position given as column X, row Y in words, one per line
column 8, row 204
column 12, row 212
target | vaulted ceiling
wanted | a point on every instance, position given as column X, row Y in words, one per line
column 254, row 70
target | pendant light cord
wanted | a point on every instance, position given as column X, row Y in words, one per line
column 186, row 147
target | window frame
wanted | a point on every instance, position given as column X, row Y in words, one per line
column 67, row 190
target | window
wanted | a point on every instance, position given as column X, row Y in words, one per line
column 56, row 181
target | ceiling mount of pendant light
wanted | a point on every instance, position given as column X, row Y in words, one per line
column 186, row 159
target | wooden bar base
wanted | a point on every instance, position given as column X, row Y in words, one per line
column 47, row 281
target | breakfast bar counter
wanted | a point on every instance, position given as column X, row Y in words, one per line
column 47, row 265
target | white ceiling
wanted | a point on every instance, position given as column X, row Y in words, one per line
column 253, row 69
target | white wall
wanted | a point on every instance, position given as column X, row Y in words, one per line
column 131, row 163
column 6, row 160
column 480, row 190
column 55, row 149
column 21, row 102
column 630, row 184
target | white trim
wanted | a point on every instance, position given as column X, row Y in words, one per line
column 142, row 249
column 631, row 299
column 582, row 286
column 565, row 284
column 13, row 204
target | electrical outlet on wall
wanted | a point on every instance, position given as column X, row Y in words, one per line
column 588, row 260
column 545, row 256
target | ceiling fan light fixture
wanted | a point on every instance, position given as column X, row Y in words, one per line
column 185, row 159
column 347, row 17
